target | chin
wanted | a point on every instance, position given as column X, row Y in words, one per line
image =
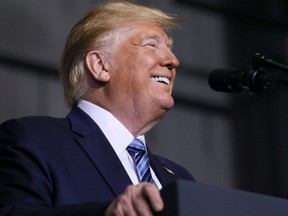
column 168, row 105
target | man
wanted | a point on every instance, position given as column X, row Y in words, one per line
column 118, row 72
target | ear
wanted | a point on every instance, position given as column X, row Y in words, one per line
column 95, row 64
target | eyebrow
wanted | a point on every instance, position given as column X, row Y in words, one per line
column 158, row 39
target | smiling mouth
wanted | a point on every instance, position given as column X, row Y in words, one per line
column 161, row 79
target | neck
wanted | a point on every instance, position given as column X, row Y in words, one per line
column 136, row 120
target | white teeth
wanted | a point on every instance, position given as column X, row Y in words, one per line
column 162, row 79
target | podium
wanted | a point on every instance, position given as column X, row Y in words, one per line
column 186, row 198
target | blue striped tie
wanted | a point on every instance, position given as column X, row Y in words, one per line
column 137, row 150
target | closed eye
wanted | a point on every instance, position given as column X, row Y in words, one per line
column 152, row 44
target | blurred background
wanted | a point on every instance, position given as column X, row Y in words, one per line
column 228, row 140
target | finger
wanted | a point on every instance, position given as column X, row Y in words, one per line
column 114, row 209
column 121, row 206
column 139, row 200
column 153, row 197
column 142, row 206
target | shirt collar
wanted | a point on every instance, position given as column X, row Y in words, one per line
column 116, row 133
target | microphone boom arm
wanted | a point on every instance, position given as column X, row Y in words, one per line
column 260, row 60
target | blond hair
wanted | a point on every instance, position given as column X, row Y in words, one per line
column 94, row 31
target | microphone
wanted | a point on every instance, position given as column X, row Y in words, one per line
column 235, row 80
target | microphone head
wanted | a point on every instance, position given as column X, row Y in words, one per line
column 220, row 79
column 234, row 80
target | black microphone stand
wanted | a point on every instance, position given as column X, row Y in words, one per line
column 267, row 80
column 260, row 60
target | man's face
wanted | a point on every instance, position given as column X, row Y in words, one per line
column 142, row 68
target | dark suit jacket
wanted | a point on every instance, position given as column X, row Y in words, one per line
column 57, row 166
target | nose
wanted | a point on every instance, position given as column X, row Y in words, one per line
column 169, row 60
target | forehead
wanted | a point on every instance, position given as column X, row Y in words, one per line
column 142, row 31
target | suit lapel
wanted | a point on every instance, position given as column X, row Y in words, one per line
column 99, row 150
column 164, row 174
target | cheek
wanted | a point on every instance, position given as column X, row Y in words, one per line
column 140, row 64
column 146, row 60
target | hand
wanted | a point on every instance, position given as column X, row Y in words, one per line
column 143, row 199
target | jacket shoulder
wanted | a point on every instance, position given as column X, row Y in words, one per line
column 33, row 126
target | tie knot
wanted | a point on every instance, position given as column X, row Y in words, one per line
column 136, row 146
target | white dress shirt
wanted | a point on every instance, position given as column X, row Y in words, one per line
column 118, row 136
